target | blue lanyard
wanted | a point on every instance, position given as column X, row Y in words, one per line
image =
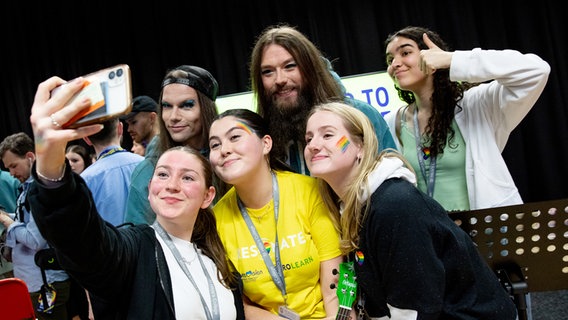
column 107, row 152
column 275, row 271
column 431, row 178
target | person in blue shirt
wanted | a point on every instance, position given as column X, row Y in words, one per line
column 289, row 75
column 23, row 235
column 109, row 177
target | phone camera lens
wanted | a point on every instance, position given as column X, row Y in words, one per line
column 119, row 72
column 111, row 75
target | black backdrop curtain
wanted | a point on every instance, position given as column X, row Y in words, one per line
column 46, row 38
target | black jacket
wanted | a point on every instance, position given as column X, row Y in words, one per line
column 124, row 269
column 413, row 256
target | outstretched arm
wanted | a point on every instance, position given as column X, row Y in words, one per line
column 61, row 203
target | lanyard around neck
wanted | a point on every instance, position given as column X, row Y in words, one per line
column 431, row 178
column 107, row 152
column 275, row 271
column 212, row 292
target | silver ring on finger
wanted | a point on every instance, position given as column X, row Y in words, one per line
column 54, row 122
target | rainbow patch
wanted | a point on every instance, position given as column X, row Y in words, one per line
column 343, row 143
column 244, row 126
column 267, row 246
column 425, row 153
column 359, row 257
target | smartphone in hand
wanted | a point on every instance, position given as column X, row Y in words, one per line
column 110, row 91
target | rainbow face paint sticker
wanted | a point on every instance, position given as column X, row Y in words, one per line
column 267, row 246
column 343, row 143
column 359, row 257
column 244, row 126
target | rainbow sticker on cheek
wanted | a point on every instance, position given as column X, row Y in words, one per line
column 343, row 143
column 245, row 127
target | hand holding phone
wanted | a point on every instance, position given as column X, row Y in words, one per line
column 110, row 93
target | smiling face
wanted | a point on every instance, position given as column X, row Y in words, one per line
column 236, row 151
column 281, row 77
column 330, row 153
column 403, row 64
column 181, row 114
column 178, row 188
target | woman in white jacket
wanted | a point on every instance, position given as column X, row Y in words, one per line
column 453, row 132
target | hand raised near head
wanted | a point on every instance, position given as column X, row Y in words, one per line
column 433, row 58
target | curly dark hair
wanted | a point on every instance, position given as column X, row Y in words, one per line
column 445, row 96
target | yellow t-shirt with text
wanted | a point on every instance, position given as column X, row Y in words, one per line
column 306, row 237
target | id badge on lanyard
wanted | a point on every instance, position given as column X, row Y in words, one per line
column 288, row 313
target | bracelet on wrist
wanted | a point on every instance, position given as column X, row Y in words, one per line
column 50, row 179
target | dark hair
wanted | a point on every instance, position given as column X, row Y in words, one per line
column 205, row 234
column 107, row 134
column 82, row 152
column 18, row 143
column 445, row 96
column 207, row 112
column 260, row 128
column 318, row 83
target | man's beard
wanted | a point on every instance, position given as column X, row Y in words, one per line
column 287, row 122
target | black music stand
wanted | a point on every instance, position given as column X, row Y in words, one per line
column 526, row 245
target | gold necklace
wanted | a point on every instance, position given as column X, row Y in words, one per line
column 265, row 210
column 259, row 217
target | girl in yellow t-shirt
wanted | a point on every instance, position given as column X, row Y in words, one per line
column 273, row 223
